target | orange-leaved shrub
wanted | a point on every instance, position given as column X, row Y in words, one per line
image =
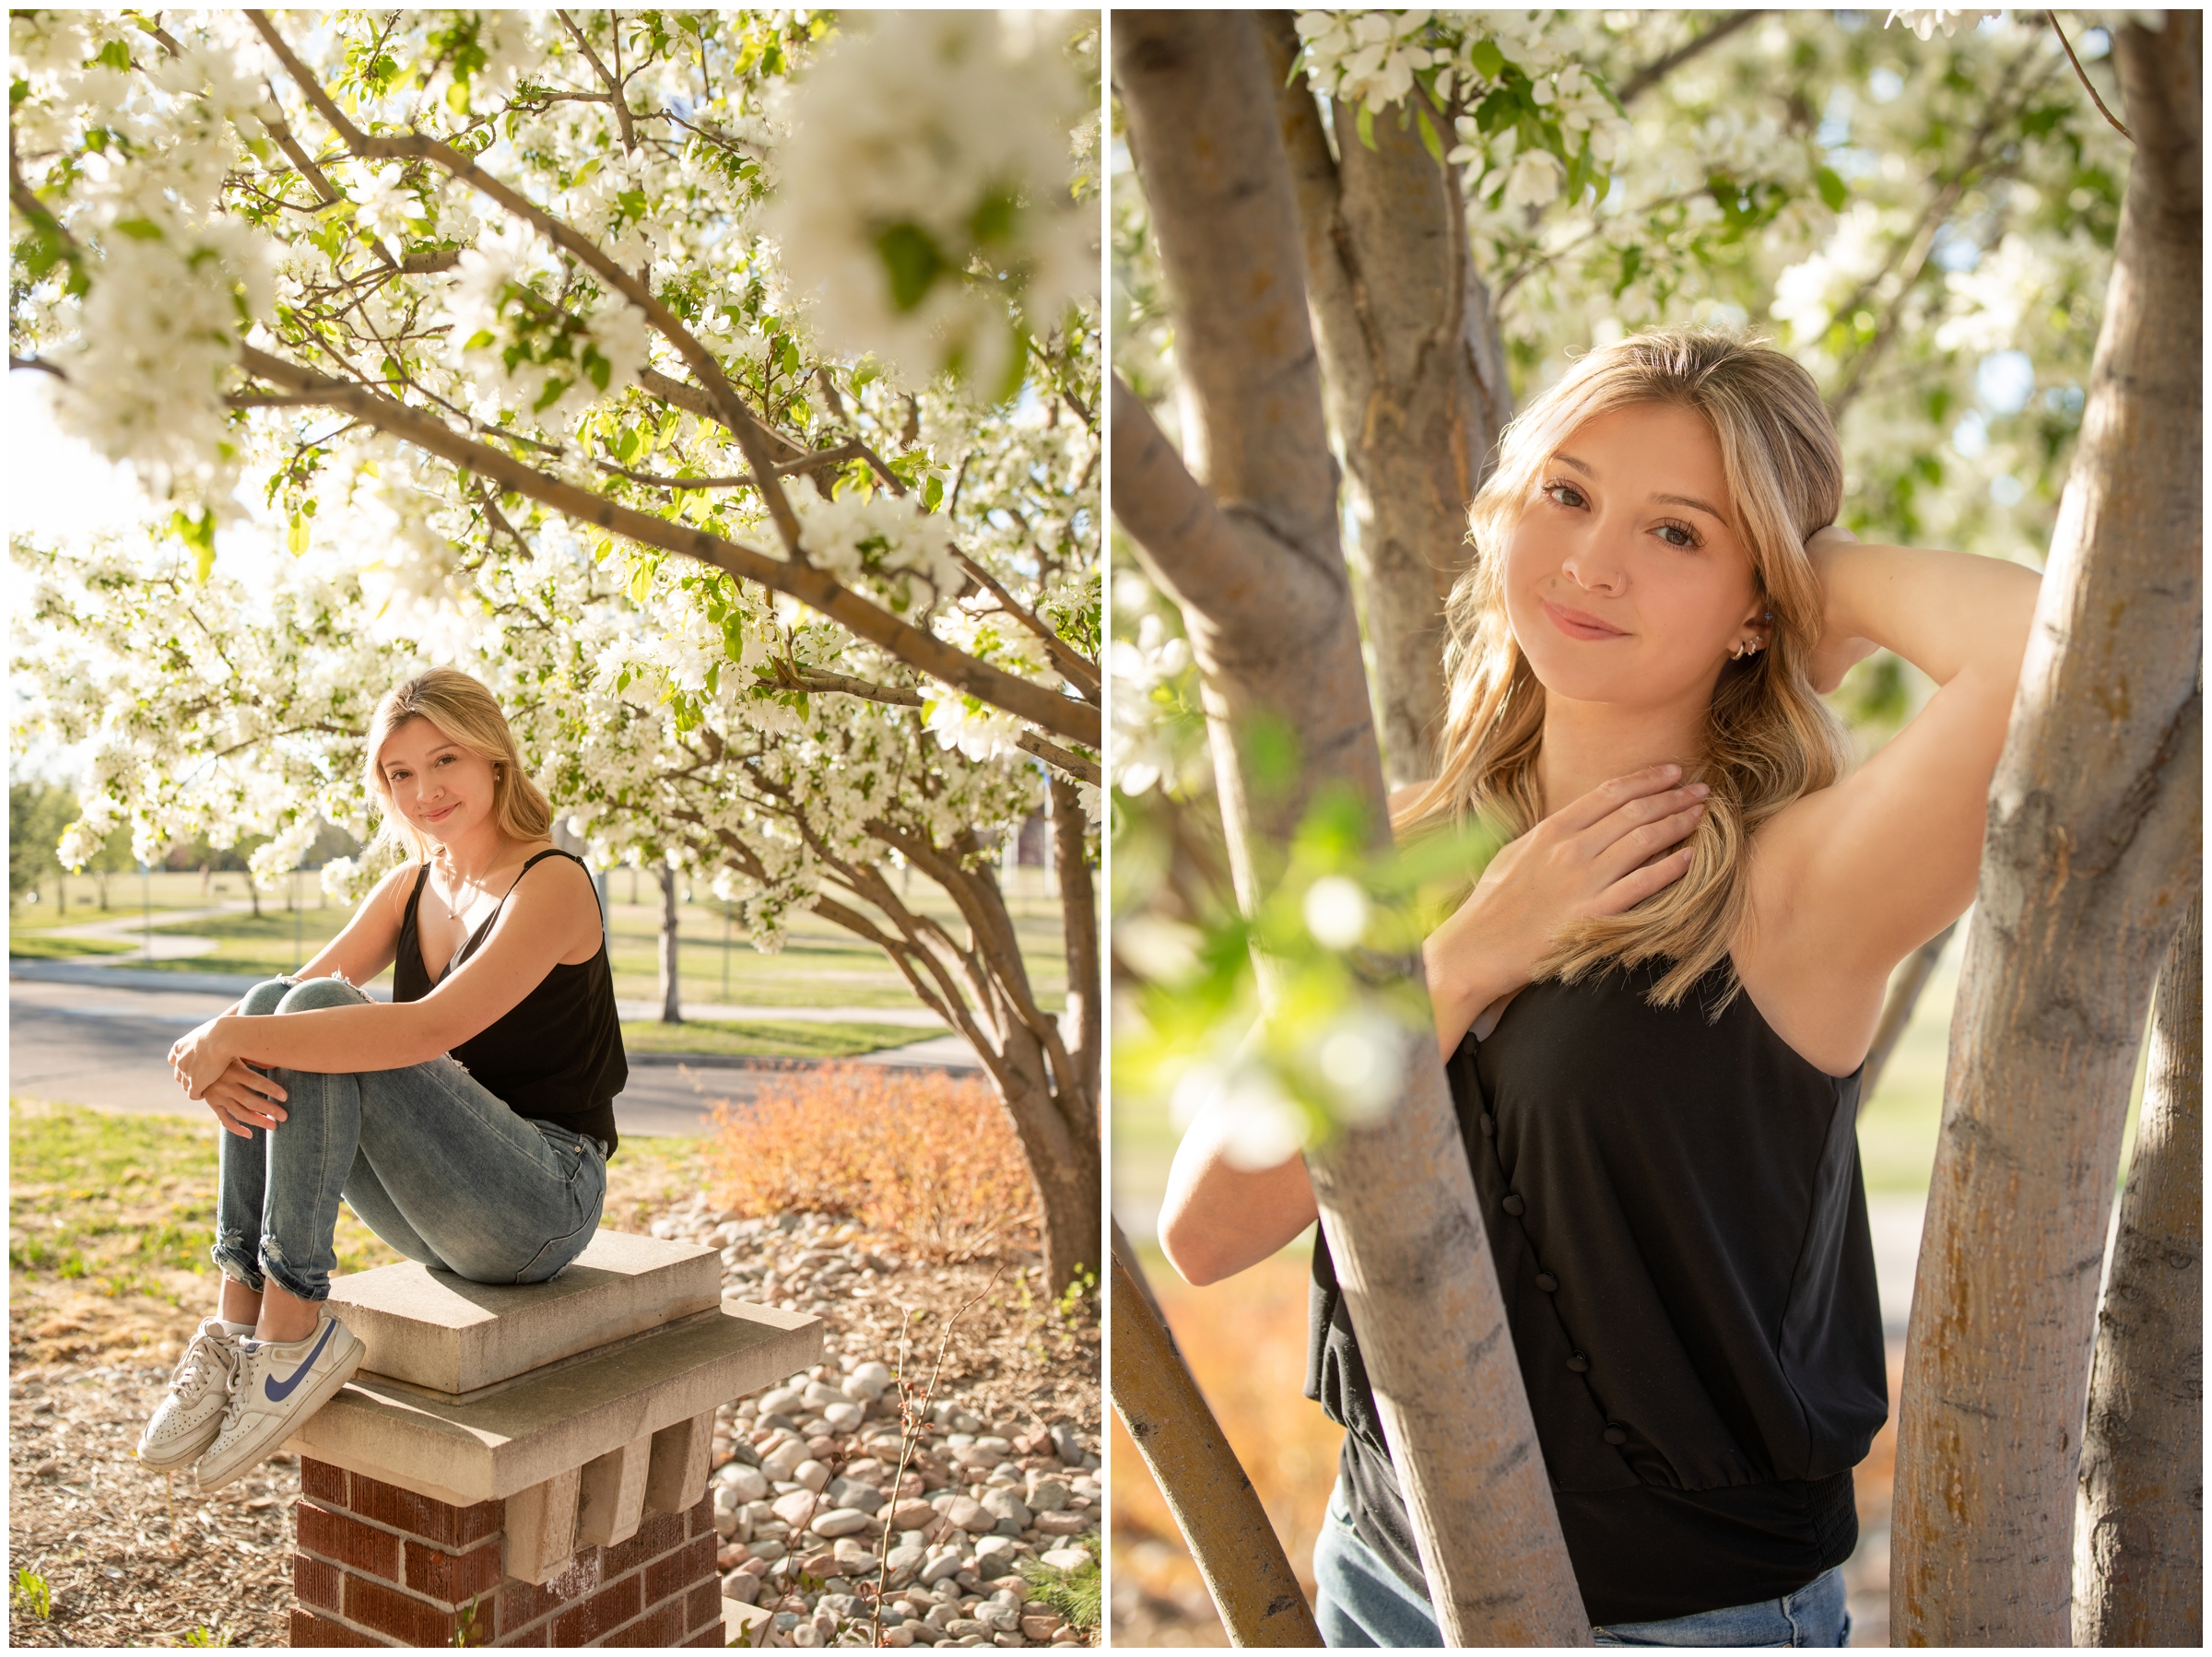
column 924, row 1154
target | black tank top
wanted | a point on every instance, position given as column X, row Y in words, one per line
column 1677, row 1214
column 557, row 1055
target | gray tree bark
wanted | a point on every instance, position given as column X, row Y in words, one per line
column 1253, row 557
column 671, row 1010
column 1413, row 376
column 2091, row 858
column 2139, row 1524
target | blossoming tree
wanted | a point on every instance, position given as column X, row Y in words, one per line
column 1929, row 227
column 721, row 387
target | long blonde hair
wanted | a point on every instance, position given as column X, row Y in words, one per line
column 1769, row 737
column 469, row 715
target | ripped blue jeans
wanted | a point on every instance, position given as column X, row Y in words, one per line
column 430, row 1159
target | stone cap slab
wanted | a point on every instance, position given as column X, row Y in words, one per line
column 438, row 1331
column 465, row 1451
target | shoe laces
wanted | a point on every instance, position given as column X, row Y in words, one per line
column 203, row 1357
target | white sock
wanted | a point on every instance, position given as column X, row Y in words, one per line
column 240, row 1330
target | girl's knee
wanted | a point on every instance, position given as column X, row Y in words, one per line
column 264, row 997
column 311, row 993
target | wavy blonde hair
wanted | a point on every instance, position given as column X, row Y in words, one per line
column 469, row 715
column 1769, row 737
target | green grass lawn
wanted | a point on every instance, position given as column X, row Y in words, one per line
column 32, row 946
column 766, row 1038
column 820, row 965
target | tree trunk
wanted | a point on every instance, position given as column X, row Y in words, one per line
column 1215, row 1506
column 2090, row 859
column 2138, row 1528
column 672, row 1011
column 1253, row 561
column 1414, row 378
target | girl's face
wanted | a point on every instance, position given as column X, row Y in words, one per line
column 1625, row 580
column 438, row 785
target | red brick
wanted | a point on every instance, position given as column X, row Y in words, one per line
column 315, row 1582
column 663, row 1626
column 674, row 1572
column 702, row 1517
column 422, row 1516
column 347, row 1541
column 655, row 1536
column 319, row 1481
column 607, row 1609
column 522, row 1603
column 452, row 1577
column 532, row 1637
column 408, row 1620
column 705, row 1604
column 708, row 1637
column 308, row 1629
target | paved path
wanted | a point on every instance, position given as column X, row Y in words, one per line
column 133, row 931
column 100, row 1036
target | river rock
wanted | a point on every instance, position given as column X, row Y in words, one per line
column 839, row 1521
column 1011, row 1511
column 797, row 1507
column 966, row 1513
column 853, row 1493
column 1048, row 1496
column 746, row 1484
column 811, row 1473
column 1066, row 1522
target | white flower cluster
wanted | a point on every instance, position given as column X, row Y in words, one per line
column 929, row 160
column 1925, row 23
column 1146, row 751
column 885, row 542
column 1366, row 58
column 174, row 284
column 1370, row 60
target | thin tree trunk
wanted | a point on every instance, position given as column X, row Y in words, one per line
column 1215, row 1506
column 672, row 1011
column 1414, row 378
column 1255, row 562
column 2139, row 1526
column 2090, row 859
column 1897, row 1009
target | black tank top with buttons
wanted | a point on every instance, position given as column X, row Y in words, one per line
column 557, row 1054
column 1677, row 1214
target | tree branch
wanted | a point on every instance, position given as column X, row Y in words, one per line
column 745, row 426
column 2083, row 74
column 1065, row 657
column 1063, row 715
column 614, row 86
column 1660, row 69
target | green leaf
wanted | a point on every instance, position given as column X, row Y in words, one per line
column 478, row 340
column 295, row 538
column 115, row 55
column 596, row 368
column 641, row 581
column 1832, row 189
column 911, row 257
column 933, row 493
column 605, row 546
column 1488, row 60
column 1430, row 141
column 626, row 446
column 139, row 229
column 1366, row 127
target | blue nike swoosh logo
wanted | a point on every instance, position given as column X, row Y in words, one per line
column 277, row 1392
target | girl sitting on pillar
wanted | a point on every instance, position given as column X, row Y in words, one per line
column 467, row 1122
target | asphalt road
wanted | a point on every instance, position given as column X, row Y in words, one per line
column 102, row 1037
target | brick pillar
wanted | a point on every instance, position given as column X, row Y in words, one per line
column 528, row 1465
column 379, row 1565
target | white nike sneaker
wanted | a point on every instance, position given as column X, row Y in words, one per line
column 280, row 1385
column 190, row 1412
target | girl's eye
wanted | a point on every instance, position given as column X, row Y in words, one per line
column 1565, row 493
column 1687, row 536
